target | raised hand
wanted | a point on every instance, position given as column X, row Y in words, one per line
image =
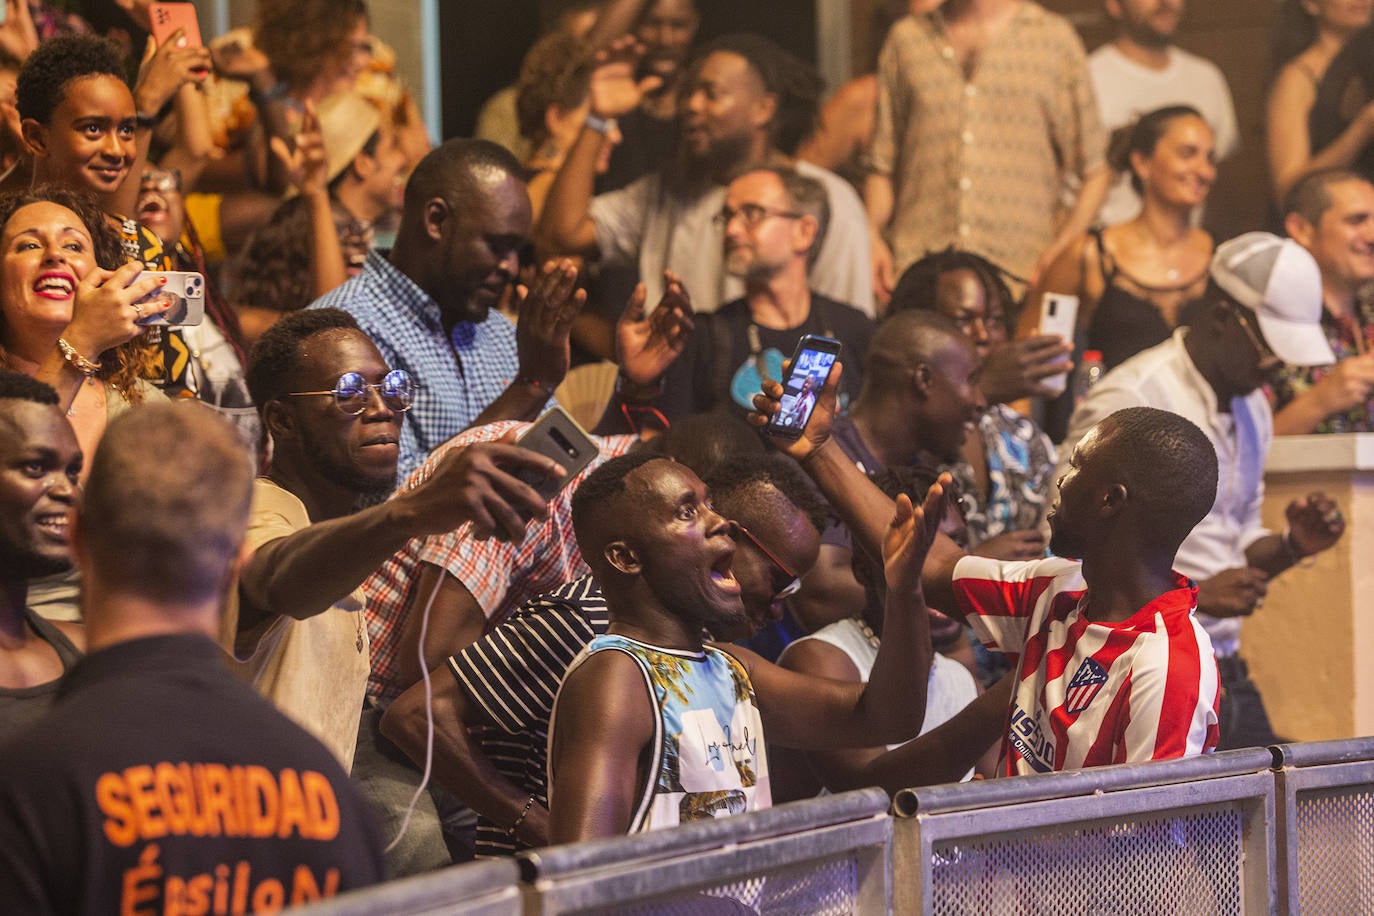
column 647, row 345
column 306, row 165
column 1348, row 384
column 1315, row 523
column 1018, row 368
column 477, row 484
column 612, row 88
column 166, row 69
column 817, row 432
column 546, row 310
column 909, row 536
column 18, row 35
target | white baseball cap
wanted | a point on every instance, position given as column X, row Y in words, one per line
column 1281, row 283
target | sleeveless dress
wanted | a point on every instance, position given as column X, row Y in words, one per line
column 1127, row 319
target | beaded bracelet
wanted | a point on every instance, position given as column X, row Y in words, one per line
column 78, row 362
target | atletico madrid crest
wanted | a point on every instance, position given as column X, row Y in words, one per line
column 1087, row 681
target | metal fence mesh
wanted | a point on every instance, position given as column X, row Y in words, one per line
column 1335, row 850
column 827, row 887
column 1188, row 863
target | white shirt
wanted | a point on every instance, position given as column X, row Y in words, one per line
column 1126, row 89
column 1165, row 377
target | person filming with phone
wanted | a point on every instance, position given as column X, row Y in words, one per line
column 775, row 220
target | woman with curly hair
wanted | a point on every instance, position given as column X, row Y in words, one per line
column 71, row 306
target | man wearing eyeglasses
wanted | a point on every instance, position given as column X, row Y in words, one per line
column 491, row 717
column 775, row 220
column 333, row 409
column 1263, row 309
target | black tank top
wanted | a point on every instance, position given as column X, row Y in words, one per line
column 1127, row 318
column 19, row 706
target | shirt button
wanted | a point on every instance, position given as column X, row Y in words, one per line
column 970, row 90
column 964, row 229
column 965, row 183
column 947, row 52
column 967, row 136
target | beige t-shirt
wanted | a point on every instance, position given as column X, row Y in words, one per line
column 314, row 670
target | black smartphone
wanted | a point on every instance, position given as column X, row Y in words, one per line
column 558, row 436
column 811, row 365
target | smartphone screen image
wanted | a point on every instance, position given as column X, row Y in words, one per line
column 811, row 365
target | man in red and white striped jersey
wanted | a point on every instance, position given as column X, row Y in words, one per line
column 1112, row 667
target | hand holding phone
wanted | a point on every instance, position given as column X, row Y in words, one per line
column 166, row 18
column 1058, row 315
column 811, row 365
column 558, row 436
column 185, row 289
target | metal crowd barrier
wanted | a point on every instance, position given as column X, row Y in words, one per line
column 1326, row 826
column 1182, row 836
column 830, row 855
column 1288, row 829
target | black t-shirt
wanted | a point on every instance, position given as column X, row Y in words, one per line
column 160, row 783
column 712, row 371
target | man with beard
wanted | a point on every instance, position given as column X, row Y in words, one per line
column 739, row 106
column 430, row 305
column 1110, row 665
column 40, row 463
column 652, row 727
column 334, row 410
column 1140, row 71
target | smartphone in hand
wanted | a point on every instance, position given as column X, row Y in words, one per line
column 812, row 363
column 1058, row 315
column 558, row 436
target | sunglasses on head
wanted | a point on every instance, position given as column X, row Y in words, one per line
column 794, row 583
column 350, row 392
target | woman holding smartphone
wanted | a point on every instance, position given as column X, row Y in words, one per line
column 1137, row 281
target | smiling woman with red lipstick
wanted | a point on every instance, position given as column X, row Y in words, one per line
column 65, row 318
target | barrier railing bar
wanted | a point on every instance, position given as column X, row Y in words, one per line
column 487, row 888
column 707, row 834
column 1317, row 753
column 869, row 842
column 1071, row 783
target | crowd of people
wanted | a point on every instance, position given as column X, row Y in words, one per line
column 287, row 607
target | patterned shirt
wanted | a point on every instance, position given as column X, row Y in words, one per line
column 1348, row 336
column 513, row 673
column 1020, row 461
column 499, row 575
column 459, row 374
column 981, row 162
column 1091, row 693
column 708, row 752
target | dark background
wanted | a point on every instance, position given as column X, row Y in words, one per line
column 484, row 40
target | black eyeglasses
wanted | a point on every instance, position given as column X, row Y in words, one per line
column 753, row 215
column 350, row 392
column 794, row 583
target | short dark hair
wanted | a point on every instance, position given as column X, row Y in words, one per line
column 554, row 73
column 166, row 503
column 448, row 171
column 1143, row 136
column 598, row 496
column 275, row 358
column 1168, row 466
column 794, row 82
column 904, row 336
column 42, row 82
column 1310, row 197
column 301, row 37
column 805, row 195
column 273, row 270
column 705, row 441
column 916, row 288
column 733, row 481
column 16, row 386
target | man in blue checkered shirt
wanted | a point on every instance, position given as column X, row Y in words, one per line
column 430, row 305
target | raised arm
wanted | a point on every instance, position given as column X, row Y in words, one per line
column 565, row 225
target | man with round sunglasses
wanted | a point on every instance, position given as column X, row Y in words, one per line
column 333, row 409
